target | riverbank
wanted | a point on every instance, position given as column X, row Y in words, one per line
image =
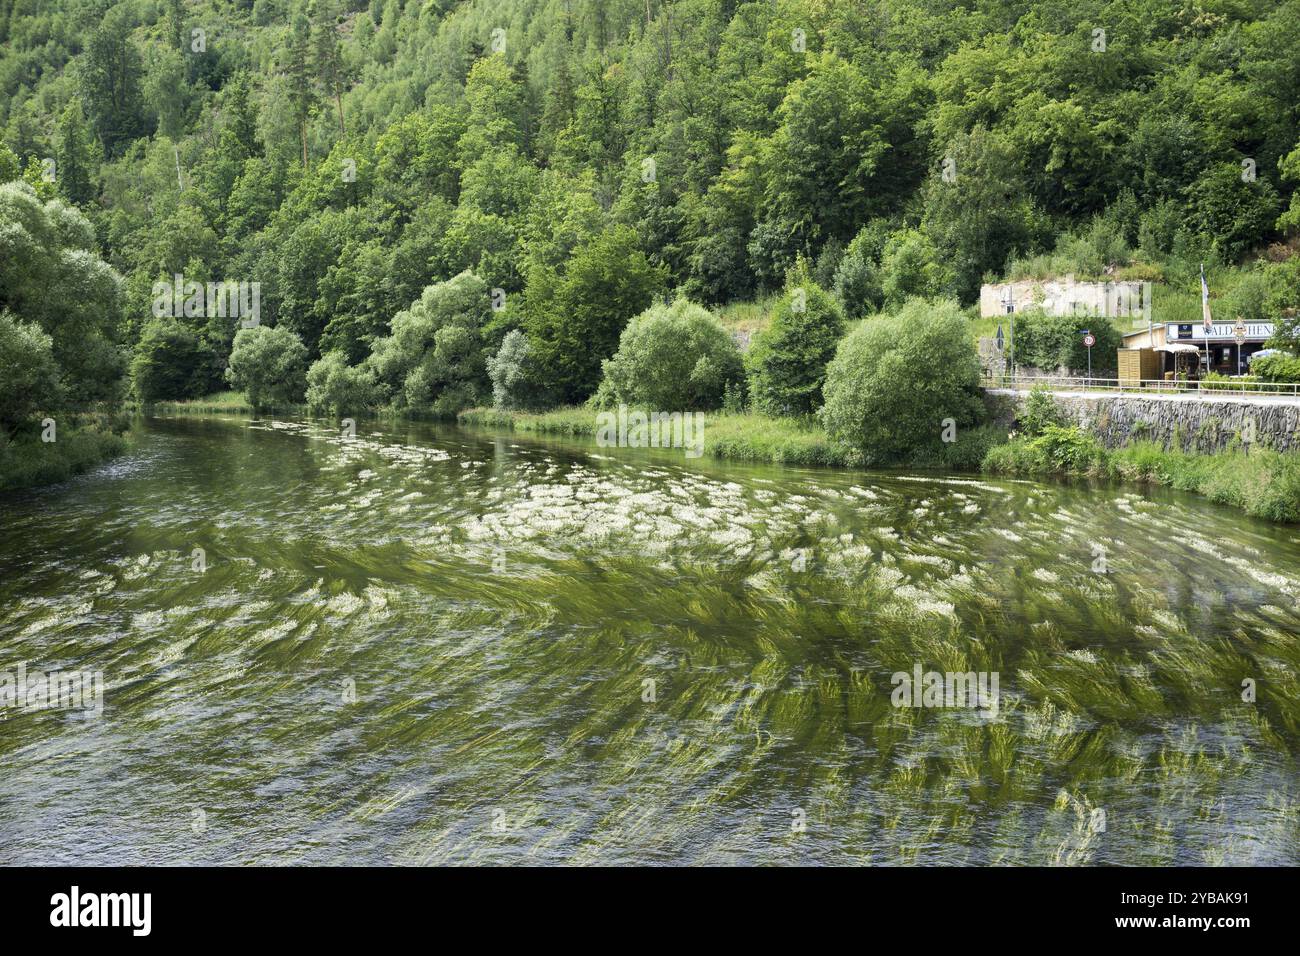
column 221, row 403
column 755, row 439
column 79, row 445
column 1261, row 482
column 739, row 437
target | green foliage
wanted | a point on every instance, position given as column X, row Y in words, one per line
column 52, row 278
column 74, row 156
column 858, row 282
column 1214, row 382
column 574, row 321
column 339, row 388
column 1276, row 368
column 527, row 167
column 1252, row 297
column 1040, row 413
column 1263, row 483
column 83, row 442
column 1284, row 305
column 1086, row 255
column 910, row 268
column 1055, row 449
column 671, row 358
column 900, row 384
column 824, row 155
column 171, row 363
column 980, row 215
column 9, row 168
column 510, row 373
column 1289, row 167
column 787, row 363
column 268, row 365
column 109, row 77
column 1048, row 341
column 1233, row 212
column 433, row 359
column 29, row 377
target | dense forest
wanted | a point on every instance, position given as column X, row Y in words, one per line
column 433, row 205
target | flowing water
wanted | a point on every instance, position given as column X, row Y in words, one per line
column 431, row 645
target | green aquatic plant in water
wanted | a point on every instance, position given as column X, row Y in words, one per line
column 429, row 645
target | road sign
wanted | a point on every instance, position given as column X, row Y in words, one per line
column 1239, row 331
column 1090, row 340
column 999, row 336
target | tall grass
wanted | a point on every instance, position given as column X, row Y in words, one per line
column 740, row 437
column 1261, row 482
column 81, row 443
column 220, row 403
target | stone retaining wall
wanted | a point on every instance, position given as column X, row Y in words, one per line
column 1190, row 423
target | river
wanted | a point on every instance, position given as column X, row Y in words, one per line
column 429, row 645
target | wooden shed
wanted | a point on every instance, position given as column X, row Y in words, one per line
column 1138, row 365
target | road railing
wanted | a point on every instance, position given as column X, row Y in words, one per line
column 1081, row 383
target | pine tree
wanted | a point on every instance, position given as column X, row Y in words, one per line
column 302, row 95
column 241, row 131
column 329, row 54
column 109, row 79
column 74, row 157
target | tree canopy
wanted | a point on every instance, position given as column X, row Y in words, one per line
column 581, row 159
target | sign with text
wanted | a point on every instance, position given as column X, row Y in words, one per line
column 1226, row 331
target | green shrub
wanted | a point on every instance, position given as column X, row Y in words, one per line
column 858, row 280
column 510, row 373
column 911, row 267
column 787, row 363
column 896, row 382
column 574, row 321
column 51, row 276
column 1056, row 449
column 671, row 357
column 1039, row 412
column 83, row 442
column 966, row 452
column 268, row 365
column 1067, row 448
column 1214, row 382
column 339, row 388
column 29, row 377
column 1276, row 368
column 171, row 363
column 1048, row 341
column 434, row 356
column 1262, row 482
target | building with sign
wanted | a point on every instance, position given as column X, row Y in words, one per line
column 1229, row 346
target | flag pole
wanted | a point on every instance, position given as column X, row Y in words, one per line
column 1206, row 322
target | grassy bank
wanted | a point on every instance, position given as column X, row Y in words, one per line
column 1262, row 482
column 81, row 444
column 751, row 438
column 219, row 403
column 234, row 403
